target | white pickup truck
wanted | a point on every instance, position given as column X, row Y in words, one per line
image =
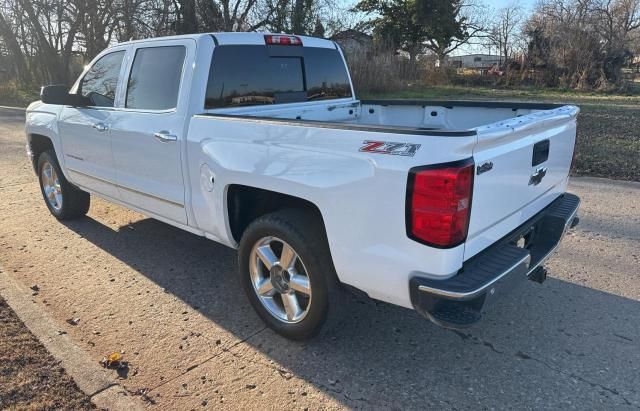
column 258, row 142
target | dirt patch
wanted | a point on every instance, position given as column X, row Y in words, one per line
column 608, row 143
column 30, row 378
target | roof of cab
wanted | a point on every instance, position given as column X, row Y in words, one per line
column 240, row 38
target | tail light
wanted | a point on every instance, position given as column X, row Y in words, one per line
column 439, row 203
column 282, row 40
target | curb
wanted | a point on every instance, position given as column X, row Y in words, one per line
column 98, row 383
column 13, row 108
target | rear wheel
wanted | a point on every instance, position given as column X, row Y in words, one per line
column 287, row 272
column 63, row 199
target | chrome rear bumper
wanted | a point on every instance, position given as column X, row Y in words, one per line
column 460, row 300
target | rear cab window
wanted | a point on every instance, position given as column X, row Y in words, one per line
column 246, row 75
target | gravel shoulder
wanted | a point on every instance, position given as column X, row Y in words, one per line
column 172, row 303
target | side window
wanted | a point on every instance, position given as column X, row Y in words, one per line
column 154, row 81
column 101, row 81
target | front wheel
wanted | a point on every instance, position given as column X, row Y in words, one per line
column 287, row 272
column 63, row 200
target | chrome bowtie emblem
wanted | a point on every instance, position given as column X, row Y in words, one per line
column 537, row 176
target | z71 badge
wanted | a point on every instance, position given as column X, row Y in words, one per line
column 388, row 147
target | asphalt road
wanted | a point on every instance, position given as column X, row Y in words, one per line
column 171, row 301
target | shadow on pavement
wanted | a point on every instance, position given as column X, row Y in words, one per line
column 551, row 345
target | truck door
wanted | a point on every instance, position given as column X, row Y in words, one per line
column 84, row 131
column 148, row 131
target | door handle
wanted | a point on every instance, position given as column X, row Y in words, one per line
column 165, row 136
column 101, row 127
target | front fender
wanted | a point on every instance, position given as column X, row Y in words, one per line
column 42, row 119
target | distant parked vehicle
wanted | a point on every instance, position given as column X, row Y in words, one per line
column 257, row 141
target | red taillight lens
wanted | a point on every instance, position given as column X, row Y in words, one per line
column 282, row 40
column 439, row 203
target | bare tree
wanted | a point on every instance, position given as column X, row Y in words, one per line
column 472, row 17
column 504, row 31
column 20, row 69
column 586, row 42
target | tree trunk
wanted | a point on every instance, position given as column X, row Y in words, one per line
column 55, row 71
column 189, row 22
column 297, row 20
column 19, row 63
column 442, row 56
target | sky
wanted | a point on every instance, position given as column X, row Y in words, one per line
column 527, row 4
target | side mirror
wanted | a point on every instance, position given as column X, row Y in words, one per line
column 59, row 94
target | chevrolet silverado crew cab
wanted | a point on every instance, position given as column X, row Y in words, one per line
column 258, row 141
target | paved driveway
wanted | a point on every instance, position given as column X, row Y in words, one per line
column 171, row 301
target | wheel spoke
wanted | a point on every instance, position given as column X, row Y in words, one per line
column 300, row 283
column 58, row 199
column 291, row 306
column 46, row 175
column 265, row 288
column 288, row 257
column 266, row 255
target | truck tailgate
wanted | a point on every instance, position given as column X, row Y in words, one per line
column 522, row 165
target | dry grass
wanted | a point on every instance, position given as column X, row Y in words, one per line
column 30, row 378
column 13, row 95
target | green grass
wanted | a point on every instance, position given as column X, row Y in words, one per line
column 608, row 125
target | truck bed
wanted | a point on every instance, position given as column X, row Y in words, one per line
column 421, row 117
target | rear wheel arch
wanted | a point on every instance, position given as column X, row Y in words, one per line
column 245, row 204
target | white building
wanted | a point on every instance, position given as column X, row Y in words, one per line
column 478, row 61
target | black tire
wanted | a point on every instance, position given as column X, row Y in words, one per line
column 75, row 202
column 305, row 234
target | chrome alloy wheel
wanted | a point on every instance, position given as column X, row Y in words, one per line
column 51, row 186
column 280, row 279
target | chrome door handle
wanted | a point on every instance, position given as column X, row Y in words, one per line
column 165, row 136
column 101, row 127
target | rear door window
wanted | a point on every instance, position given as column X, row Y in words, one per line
column 251, row 75
column 155, row 76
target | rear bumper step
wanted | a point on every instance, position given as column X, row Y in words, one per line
column 459, row 301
